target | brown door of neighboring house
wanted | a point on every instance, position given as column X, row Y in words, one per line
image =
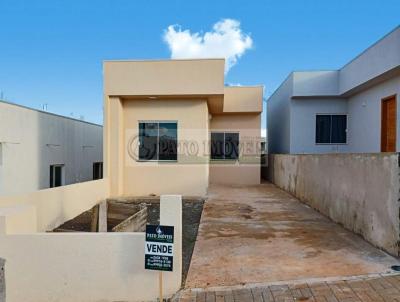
column 388, row 124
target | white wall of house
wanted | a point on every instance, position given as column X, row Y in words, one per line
column 303, row 124
column 278, row 118
column 315, row 83
column 364, row 121
column 32, row 140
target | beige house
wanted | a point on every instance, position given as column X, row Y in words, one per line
column 173, row 127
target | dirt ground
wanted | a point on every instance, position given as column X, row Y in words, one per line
column 260, row 233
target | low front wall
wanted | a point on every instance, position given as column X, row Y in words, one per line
column 88, row 267
column 79, row 267
column 360, row 191
column 52, row 206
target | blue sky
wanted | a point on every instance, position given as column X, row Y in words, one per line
column 52, row 51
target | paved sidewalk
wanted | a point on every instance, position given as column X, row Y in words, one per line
column 260, row 234
column 376, row 289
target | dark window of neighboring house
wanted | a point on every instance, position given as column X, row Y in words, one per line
column 331, row 129
column 158, row 141
column 339, row 126
column 56, row 176
column 224, row 145
column 98, row 170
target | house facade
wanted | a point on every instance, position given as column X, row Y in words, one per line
column 39, row 150
column 353, row 109
column 173, row 127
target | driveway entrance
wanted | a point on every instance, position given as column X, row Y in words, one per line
column 261, row 234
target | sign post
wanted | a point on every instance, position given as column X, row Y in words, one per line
column 159, row 251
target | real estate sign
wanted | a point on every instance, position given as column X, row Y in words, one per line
column 159, row 248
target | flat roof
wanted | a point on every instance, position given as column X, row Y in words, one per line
column 163, row 60
column 49, row 113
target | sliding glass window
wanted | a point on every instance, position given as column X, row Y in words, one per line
column 224, row 145
column 158, row 141
column 331, row 129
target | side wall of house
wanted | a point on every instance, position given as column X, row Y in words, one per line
column 247, row 169
column 278, row 118
column 187, row 176
column 31, row 141
column 303, row 124
column 364, row 122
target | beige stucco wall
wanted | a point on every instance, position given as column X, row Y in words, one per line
column 187, row 176
column 247, row 170
column 241, row 99
column 53, row 206
column 18, row 219
column 88, row 267
column 164, row 77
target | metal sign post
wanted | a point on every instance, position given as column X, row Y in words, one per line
column 159, row 251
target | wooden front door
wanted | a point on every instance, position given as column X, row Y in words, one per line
column 389, row 124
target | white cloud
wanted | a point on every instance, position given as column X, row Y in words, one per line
column 225, row 40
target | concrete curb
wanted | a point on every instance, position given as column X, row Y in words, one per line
column 293, row 282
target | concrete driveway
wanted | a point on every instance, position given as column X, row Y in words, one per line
column 260, row 234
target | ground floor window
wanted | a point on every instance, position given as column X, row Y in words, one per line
column 158, row 141
column 98, row 170
column 224, row 145
column 56, row 175
column 331, row 129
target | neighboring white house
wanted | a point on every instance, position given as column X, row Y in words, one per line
column 352, row 109
column 39, row 150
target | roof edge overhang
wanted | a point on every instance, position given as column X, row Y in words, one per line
column 394, row 72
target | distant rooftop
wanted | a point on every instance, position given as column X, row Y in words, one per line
column 49, row 113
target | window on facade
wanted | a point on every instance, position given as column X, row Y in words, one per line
column 224, row 145
column 98, row 170
column 56, row 175
column 331, row 129
column 158, row 141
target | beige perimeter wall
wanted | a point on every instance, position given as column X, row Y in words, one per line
column 246, row 171
column 88, row 267
column 44, row 210
column 360, row 191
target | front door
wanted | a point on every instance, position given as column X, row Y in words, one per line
column 388, row 124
